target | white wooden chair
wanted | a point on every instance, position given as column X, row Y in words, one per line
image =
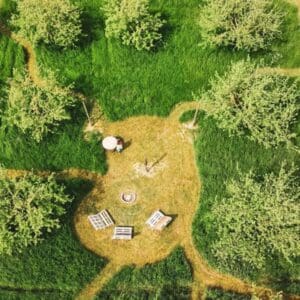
column 122, row 233
column 158, row 220
column 101, row 220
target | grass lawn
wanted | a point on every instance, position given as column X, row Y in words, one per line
column 59, row 265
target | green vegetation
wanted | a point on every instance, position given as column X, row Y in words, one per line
column 126, row 82
column 219, row 294
column 59, row 265
column 245, row 100
column 11, row 57
column 261, row 219
column 36, row 110
column 167, row 279
column 30, row 205
column 132, row 23
column 244, row 25
column 55, row 22
column 219, row 156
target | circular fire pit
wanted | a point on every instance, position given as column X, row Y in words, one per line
column 128, row 197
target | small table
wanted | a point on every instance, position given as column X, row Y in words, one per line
column 110, row 143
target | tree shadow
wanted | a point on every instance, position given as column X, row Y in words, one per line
column 166, row 31
column 92, row 28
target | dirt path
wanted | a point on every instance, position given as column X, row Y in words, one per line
column 99, row 281
column 174, row 189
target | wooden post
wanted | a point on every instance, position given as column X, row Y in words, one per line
column 86, row 112
column 196, row 115
column 146, row 166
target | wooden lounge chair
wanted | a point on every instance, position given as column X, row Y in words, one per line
column 158, row 221
column 101, row 220
column 123, row 233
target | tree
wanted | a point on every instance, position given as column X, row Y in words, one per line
column 131, row 22
column 34, row 109
column 246, row 100
column 242, row 24
column 55, row 22
column 29, row 207
column 258, row 219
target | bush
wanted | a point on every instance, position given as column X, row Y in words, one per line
column 29, row 206
column 36, row 109
column 55, row 22
column 131, row 22
column 248, row 101
column 258, row 218
column 243, row 24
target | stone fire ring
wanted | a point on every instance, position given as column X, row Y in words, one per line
column 128, row 197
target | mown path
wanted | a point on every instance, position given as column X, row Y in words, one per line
column 176, row 186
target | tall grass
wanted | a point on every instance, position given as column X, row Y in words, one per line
column 11, row 57
column 167, row 279
column 127, row 82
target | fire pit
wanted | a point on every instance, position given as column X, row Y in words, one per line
column 128, row 197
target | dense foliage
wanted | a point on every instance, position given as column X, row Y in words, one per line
column 245, row 100
column 132, row 23
column 55, row 22
column 36, row 110
column 167, row 279
column 243, row 24
column 29, row 206
column 58, row 267
column 258, row 219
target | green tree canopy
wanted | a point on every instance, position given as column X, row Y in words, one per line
column 55, row 22
column 36, row 110
column 29, row 206
column 246, row 100
column 132, row 23
column 243, row 24
column 259, row 219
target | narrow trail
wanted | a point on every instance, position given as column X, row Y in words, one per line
column 204, row 275
column 99, row 281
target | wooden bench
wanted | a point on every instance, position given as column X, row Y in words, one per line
column 158, row 220
column 122, row 233
column 101, row 220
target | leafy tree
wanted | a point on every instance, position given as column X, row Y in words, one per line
column 131, row 22
column 55, row 22
column 36, row 109
column 243, row 24
column 259, row 219
column 246, row 100
column 29, row 206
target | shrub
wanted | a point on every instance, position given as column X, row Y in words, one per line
column 131, row 22
column 55, row 22
column 258, row 220
column 248, row 101
column 36, row 109
column 29, row 206
column 243, row 24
